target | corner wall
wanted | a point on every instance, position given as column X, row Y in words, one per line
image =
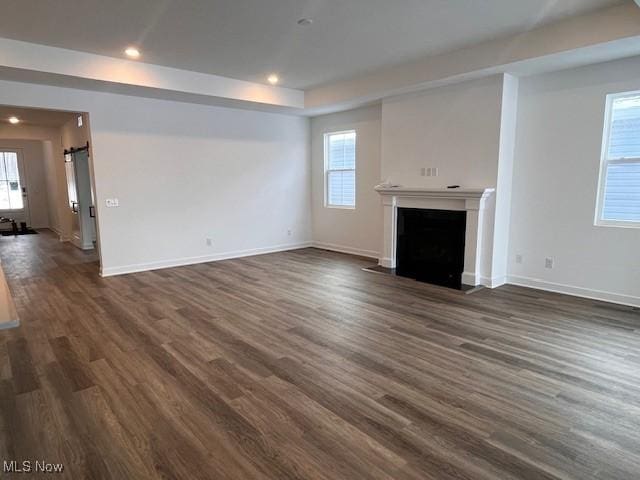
column 358, row 230
column 555, row 180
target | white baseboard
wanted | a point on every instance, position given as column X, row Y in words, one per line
column 180, row 262
column 611, row 297
column 494, row 282
column 344, row 249
column 387, row 262
column 470, row 279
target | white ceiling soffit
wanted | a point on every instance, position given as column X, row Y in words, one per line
column 595, row 37
column 33, row 63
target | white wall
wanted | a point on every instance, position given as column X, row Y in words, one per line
column 560, row 124
column 184, row 173
column 502, row 200
column 35, row 179
column 359, row 230
column 454, row 128
column 53, row 196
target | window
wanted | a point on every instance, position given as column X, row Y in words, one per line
column 340, row 169
column 619, row 189
column 10, row 188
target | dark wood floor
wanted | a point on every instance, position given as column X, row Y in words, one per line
column 301, row 365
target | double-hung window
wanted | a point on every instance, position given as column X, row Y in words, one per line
column 619, row 183
column 340, row 169
column 10, row 186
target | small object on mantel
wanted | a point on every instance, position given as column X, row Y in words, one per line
column 387, row 184
column 453, row 186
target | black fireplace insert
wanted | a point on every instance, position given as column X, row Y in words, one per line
column 430, row 245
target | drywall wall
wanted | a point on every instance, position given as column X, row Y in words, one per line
column 455, row 129
column 183, row 173
column 73, row 135
column 558, row 148
column 504, row 180
column 31, row 152
column 53, row 197
column 356, row 230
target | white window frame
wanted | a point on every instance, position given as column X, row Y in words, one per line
column 605, row 162
column 327, row 170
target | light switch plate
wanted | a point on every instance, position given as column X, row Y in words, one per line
column 112, row 202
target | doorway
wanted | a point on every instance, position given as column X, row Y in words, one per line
column 78, row 175
column 14, row 201
column 46, row 181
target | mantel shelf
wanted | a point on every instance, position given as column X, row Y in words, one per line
column 455, row 193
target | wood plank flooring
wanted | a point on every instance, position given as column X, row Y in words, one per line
column 300, row 365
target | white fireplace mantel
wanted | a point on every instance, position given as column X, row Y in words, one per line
column 472, row 200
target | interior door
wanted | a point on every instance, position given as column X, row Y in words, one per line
column 14, row 201
column 81, row 202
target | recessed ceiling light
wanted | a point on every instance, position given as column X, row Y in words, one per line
column 305, row 22
column 132, row 52
column 273, row 79
column 14, row 120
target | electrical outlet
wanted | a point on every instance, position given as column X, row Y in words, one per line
column 209, row 242
column 518, row 258
column 548, row 262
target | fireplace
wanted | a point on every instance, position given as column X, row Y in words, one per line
column 475, row 204
column 430, row 245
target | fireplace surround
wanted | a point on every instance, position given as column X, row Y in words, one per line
column 478, row 203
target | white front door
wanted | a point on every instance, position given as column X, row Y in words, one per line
column 14, row 202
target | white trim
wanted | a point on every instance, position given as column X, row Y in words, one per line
column 494, row 282
column 476, row 280
column 447, row 193
column 327, row 170
column 345, row 249
column 605, row 161
column 387, row 262
column 179, row 262
column 611, row 297
column 472, row 200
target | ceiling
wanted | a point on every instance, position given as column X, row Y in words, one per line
column 248, row 39
column 35, row 116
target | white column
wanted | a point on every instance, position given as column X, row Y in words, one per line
column 473, row 242
column 388, row 259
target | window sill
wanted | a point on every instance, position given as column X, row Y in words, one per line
column 340, row 207
column 617, row 224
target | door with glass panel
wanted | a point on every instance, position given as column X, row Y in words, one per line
column 13, row 192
